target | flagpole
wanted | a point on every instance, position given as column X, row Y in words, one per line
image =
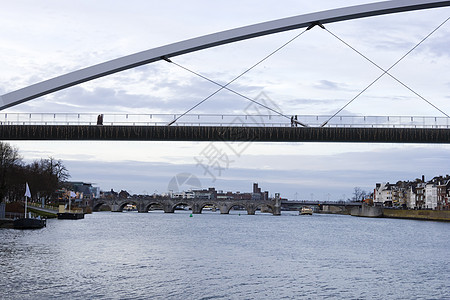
column 27, row 194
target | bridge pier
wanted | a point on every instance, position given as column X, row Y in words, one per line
column 277, row 207
column 196, row 208
column 251, row 209
column 115, row 208
column 141, row 207
column 224, row 210
column 168, row 208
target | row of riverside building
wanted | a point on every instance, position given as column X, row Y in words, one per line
column 211, row 193
column 418, row 194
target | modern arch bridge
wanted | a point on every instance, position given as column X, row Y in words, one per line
column 414, row 130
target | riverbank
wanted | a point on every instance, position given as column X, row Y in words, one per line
column 17, row 210
column 430, row 215
column 40, row 212
column 379, row 212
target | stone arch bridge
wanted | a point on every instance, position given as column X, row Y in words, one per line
column 195, row 204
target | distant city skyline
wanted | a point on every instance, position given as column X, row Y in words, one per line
column 316, row 74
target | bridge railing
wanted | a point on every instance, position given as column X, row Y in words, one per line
column 222, row 120
column 316, row 202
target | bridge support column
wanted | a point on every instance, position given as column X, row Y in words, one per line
column 251, row 209
column 115, row 208
column 277, row 207
column 224, row 209
column 141, row 208
column 196, row 209
column 167, row 207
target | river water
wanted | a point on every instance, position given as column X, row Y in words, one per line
column 237, row 256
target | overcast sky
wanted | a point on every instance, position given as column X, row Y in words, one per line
column 314, row 75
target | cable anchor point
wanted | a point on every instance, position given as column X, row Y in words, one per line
column 314, row 24
column 300, row 123
column 166, row 59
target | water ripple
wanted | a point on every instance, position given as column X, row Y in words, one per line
column 213, row 256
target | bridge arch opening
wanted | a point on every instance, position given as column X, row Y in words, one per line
column 209, row 207
column 101, row 206
column 153, row 206
column 237, row 208
column 122, row 206
column 265, row 208
column 181, row 206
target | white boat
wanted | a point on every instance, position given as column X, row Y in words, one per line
column 306, row 210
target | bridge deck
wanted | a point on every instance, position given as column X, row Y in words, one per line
column 311, row 202
column 217, row 133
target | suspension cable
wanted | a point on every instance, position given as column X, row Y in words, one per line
column 221, row 87
column 231, row 90
column 385, row 72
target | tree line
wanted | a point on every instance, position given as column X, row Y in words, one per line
column 43, row 176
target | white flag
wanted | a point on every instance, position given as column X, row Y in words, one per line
column 27, row 191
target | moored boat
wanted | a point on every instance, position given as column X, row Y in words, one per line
column 70, row 214
column 29, row 223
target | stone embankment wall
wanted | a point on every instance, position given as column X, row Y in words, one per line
column 339, row 210
column 433, row 215
column 367, row 211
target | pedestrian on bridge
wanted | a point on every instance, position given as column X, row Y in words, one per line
column 100, row 119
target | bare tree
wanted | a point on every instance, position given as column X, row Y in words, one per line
column 9, row 159
column 358, row 194
column 46, row 176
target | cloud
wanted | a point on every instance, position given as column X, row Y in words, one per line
column 162, row 94
column 304, row 172
column 330, row 85
column 439, row 46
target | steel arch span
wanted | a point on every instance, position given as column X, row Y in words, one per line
column 212, row 40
